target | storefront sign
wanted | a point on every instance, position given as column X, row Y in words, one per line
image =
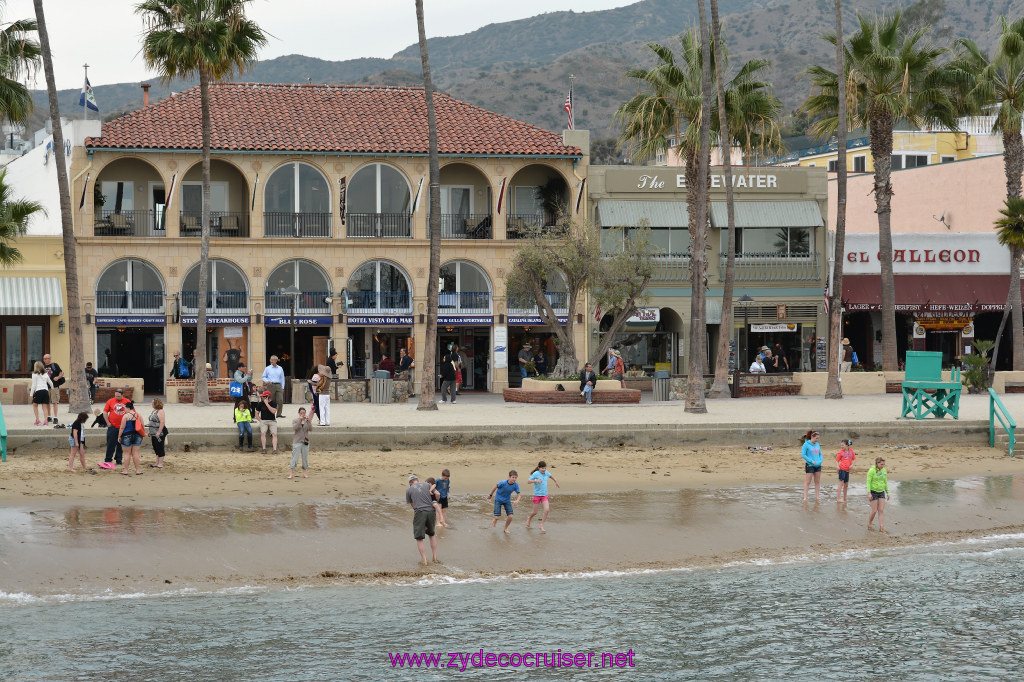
column 773, row 327
column 645, row 316
column 131, row 321
column 500, row 347
column 943, row 323
column 217, row 320
column 928, row 253
column 466, row 320
column 300, row 320
column 928, row 308
column 661, row 180
column 521, row 320
column 379, row 320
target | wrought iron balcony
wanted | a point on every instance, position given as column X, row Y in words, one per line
column 130, row 302
column 673, row 268
column 306, row 303
column 296, row 225
column 468, row 302
column 559, row 300
column 142, row 223
column 379, row 225
column 768, row 267
column 222, row 224
column 459, row 226
column 379, row 302
column 233, row 302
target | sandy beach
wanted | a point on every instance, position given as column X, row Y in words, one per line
column 223, row 518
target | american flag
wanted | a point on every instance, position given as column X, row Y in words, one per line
column 568, row 107
column 597, row 312
column 825, row 294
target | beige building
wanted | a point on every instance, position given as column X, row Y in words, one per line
column 320, row 190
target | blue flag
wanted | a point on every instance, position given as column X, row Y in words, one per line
column 87, row 99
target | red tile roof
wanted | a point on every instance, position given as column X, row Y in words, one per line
column 325, row 118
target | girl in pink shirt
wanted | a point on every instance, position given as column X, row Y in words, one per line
column 845, row 460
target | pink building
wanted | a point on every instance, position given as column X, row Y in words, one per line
column 951, row 274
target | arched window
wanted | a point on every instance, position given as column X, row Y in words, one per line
column 379, row 286
column 297, row 202
column 130, row 285
column 378, row 203
column 228, row 289
column 310, row 279
column 465, row 288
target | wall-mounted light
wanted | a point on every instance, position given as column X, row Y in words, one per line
column 596, row 332
column 60, row 326
column 527, row 329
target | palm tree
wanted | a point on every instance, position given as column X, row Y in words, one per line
column 211, row 38
column 891, row 75
column 1000, row 82
column 78, row 392
column 434, row 193
column 15, row 215
column 669, row 107
column 834, row 388
column 1010, row 231
column 19, row 56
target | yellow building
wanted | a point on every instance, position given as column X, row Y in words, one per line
column 321, row 190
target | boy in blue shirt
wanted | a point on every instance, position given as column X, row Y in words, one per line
column 443, row 485
column 504, row 499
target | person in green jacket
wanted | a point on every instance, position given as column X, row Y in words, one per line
column 878, row 492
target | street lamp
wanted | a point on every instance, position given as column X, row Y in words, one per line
column 294, row 292
column 744, row 301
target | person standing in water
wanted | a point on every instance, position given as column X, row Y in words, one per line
column 539, row 480
column 844, row 460
column 878, row 492
column 811, row 452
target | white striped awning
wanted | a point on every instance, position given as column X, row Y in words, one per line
column 30, row 296
column 768, row 214
column 620, row 213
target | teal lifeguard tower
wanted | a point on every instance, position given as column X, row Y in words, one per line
column 925, row 394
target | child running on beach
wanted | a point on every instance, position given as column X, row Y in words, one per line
column 844, row 460
column 504, row 499
column 443, row 486
column 878, row 492
column 77, row 441
column 811, row 452
column 539, row 480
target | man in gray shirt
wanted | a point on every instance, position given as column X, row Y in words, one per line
column 419, row 497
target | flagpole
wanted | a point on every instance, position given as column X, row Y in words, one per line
column 86, row 107
column 572, row 104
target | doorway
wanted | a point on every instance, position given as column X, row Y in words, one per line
column 139, row 352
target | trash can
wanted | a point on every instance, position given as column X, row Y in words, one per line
column 382, row 390
column 661, row 384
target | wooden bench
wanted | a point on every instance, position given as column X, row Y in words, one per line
column 924, row 392
column 571, row 396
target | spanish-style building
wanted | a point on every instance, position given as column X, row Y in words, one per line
column 319, row 189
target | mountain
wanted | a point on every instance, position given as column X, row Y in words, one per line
column 522, row 68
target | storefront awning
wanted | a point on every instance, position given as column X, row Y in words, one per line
column 928, row 293
column 30, row 296
column 768, row 214
column 614, row 213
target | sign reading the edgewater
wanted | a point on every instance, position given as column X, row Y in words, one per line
column 663, row 179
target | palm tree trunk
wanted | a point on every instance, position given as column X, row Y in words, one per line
column 698, row 238
column 881, row 152
column 78, row 391
column 834, row 389
column 434, row 191
column 202, row 392
column 720, row 387
column 1013, row 165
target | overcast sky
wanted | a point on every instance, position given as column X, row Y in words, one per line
column 106, row 33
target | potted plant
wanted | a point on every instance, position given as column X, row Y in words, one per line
column 976, row 373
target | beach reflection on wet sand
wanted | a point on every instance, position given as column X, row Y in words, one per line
column 91, row 549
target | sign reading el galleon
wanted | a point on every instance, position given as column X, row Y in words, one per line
column 928, row 253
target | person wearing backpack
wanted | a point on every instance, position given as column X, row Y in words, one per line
column 130, row 435
column 180, row 368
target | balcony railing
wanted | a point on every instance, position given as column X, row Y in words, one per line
column 235, row 302
column 306, row 303
column 379, row 302
column 130, row 301
column 522, row 225
column 559, row 300
column 763, row 267
column 142, row 223
column 296, row 225
column 222, row 224
column 457, row 226
column 675, row 268
column 470, row 302
column 379, row 225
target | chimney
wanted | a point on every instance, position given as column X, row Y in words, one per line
column 145, row 95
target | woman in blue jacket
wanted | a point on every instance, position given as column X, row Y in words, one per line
column 811, row 453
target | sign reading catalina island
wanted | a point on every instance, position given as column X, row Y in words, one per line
column 662, row 179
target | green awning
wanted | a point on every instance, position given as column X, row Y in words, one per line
column 30, row 296
column 617, row 213
column 768, row 214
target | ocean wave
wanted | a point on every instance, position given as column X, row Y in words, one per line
column 25, row 599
